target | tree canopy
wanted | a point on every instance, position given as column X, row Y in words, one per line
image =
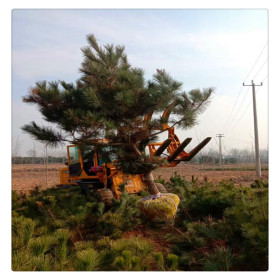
column 110, row 100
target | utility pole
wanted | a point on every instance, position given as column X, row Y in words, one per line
column 46, row 157
column 220, row 147
column 257, row 150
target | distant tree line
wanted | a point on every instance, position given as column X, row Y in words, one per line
column 230, row 157
column 37, row 160
column 211, row 157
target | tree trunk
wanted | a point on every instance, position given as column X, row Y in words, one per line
column 150, row 182
column 148, row 177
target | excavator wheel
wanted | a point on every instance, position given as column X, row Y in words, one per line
column 105, row 195
column 161, row 188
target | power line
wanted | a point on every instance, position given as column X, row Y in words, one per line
column 236, row 113
column 243, row 114
column 233, row 106
column 264, row 78
column 245, row 80
column 256, row 60
column 260, row 69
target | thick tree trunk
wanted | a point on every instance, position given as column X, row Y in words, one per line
column 148, row 177
column 150, row 182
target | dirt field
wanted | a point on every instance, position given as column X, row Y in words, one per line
column 27, row 176
column 244, row 174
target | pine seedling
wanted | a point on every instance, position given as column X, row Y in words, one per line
column 40, row 245
column 119, row 263
column 158, row 256
column 136, row 263
column 172, row 262
column 87, row 260
column 41, row 263
column 22, row 229
column 62, row 236
column 83, row 245
column 219, row 260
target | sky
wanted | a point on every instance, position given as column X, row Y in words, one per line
column 201, row 48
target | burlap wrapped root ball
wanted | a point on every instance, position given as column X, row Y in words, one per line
column 161, row 206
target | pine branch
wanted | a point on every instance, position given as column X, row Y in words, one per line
column 44, row 134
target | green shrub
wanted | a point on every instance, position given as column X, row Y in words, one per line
column 41, row 263
column 87, row 260
column 218, row 260
column 61, row 236
column 125, row 254
column 217, row 227
column 172, row 262
column 22, row 230
column 158, row 256
column 83, row 245
column 40, row 245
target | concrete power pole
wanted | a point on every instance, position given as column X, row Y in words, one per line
column 220, row 147
column 257, row 150
column 46, row 157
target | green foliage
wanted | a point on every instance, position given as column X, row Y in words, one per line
column 62, row 236
column 204, row 200
column 172, row 262
column 87, row 260
column 158, row 256
column 218, row 220
column 135, row 254
column 40, row 245
column 41, row 263
column 127, row 262
column 218, row 260
column 217, row 227
column 259, row 184
column 110, row 101
column 83, row 245
column 22, row 230
column 166, row 263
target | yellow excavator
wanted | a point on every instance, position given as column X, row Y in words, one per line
column 95, row 165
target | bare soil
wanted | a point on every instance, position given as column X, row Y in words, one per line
column 240, row 174
column 26, row 177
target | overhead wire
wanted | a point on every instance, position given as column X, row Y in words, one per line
column 264, row 78
column 245, row 111
column 242, row 85
column 236, row 113
column 256, row 60
column 260, row 69
column 243, row 114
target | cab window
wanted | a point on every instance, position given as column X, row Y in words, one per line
column 73, row 154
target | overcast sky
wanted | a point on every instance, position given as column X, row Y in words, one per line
column 201, row 48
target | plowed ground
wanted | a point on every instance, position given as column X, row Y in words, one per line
column 27, row 176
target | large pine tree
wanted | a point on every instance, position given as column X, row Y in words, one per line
column 110, row 101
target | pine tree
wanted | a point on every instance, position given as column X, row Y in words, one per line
column 110, row 101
